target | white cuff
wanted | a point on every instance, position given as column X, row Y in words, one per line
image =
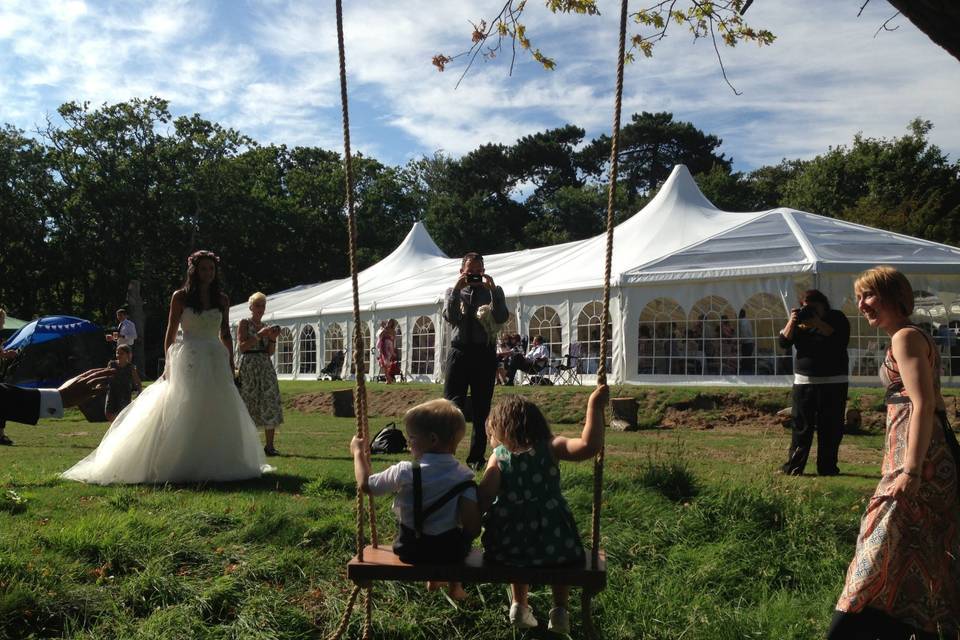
column 51, row 405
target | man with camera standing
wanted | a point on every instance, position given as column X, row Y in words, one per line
column 472, row 358
column 820, row 335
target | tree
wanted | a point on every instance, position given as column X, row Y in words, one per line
column 650, row 145
column 904, row 184
column 939, row 19
column 29, row 196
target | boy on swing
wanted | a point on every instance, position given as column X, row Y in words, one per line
column 435, row 494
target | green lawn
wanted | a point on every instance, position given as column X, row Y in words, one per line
column 703, row 539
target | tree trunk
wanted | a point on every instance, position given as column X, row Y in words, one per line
column 135, row 311
column 939, row 19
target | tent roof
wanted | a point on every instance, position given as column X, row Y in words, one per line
column 678, row 235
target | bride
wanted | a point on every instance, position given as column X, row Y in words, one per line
column 191, row 425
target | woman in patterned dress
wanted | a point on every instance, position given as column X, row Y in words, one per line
column 258, row 379
column 904, row 580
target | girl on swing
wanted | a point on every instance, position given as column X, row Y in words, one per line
column 527, row 522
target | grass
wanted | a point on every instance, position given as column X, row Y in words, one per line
column 704, row 541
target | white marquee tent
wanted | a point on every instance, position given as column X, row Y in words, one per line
column 683, row 272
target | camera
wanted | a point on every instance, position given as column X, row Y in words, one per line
column 806, row 312
column 474, row 278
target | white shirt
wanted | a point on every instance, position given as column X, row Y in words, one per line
column 538, row 352
column 439, row 472
column 128, row 332
column 51, row 404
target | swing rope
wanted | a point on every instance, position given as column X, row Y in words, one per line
column 359, row 351
column 360, row 396
column 607, row 268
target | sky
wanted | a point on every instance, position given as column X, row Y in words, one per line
column 269, row 69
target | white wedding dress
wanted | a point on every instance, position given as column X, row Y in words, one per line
column 191, row 427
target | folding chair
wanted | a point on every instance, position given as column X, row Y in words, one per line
column 539, row 373
column 568, row 367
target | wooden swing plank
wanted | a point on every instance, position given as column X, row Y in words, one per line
column 380, row 563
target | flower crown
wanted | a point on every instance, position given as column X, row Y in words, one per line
column 200, row 255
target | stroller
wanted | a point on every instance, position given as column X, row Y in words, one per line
column 333, row 368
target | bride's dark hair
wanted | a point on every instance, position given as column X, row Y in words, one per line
column 192, row 284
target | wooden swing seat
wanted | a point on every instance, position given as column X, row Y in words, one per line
column 380, row 563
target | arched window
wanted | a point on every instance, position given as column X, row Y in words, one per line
column 332, row 342
column 758, row 334
column 365, row 332
column 588, row 336
column 930, row 314
column 308, row 349
column 662, row 339
column 711, row 325
column 867, row 345
column 546, row 322
column 285, row 351
column 422, row 347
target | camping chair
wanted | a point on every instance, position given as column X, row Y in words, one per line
column 333, row 368
column 568, row 367
column 538, row 373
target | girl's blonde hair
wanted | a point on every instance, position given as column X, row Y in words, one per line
column 889, row 284
column 257, row 297
column 518, row 424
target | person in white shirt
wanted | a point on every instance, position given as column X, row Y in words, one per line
column 534, row 359
column 448, row 519
column 126, row 332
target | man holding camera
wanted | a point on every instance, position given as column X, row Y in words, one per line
column 820, row 335
column 472, row 358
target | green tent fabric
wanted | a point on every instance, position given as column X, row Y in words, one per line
column 14, row 323
column 10, row 326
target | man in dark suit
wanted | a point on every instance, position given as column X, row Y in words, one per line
column 29, row 405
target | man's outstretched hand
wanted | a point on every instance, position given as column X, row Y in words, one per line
column 84, row 386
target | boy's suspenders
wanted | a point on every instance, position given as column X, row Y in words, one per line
column 419, row 513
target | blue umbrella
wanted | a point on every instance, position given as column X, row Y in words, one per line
column 50, row 328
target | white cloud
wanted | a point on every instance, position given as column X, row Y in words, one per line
column 271, row 70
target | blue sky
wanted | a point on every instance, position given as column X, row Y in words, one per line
column 269, row 69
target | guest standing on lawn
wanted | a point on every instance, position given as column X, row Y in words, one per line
column 904, row 580
column 258, row 379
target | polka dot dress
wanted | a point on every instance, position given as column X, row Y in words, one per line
column 530, row 523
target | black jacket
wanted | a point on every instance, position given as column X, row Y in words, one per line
column 19, row 404
column 819, row 355
column 460, row 310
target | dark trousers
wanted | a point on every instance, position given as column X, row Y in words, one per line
column 873, row 624
column 518, row 362
column 817, row 408
column 473, row 367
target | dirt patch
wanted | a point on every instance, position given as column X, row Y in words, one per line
column 381, row 403
column 730, row 417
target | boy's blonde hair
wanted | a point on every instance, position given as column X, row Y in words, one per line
column 889, row 284
column 518, row 424
column 439, row 417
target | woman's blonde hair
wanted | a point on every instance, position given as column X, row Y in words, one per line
column 257, row 297
column 889, row 284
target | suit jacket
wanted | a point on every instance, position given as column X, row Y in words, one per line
column 19, row 404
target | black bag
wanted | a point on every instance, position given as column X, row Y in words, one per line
column 389, row 440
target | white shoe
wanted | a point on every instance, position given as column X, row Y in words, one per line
column 559, row 620
column 521, row 617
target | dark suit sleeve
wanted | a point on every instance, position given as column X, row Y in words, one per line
column 499, row 306
column 19, row 405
